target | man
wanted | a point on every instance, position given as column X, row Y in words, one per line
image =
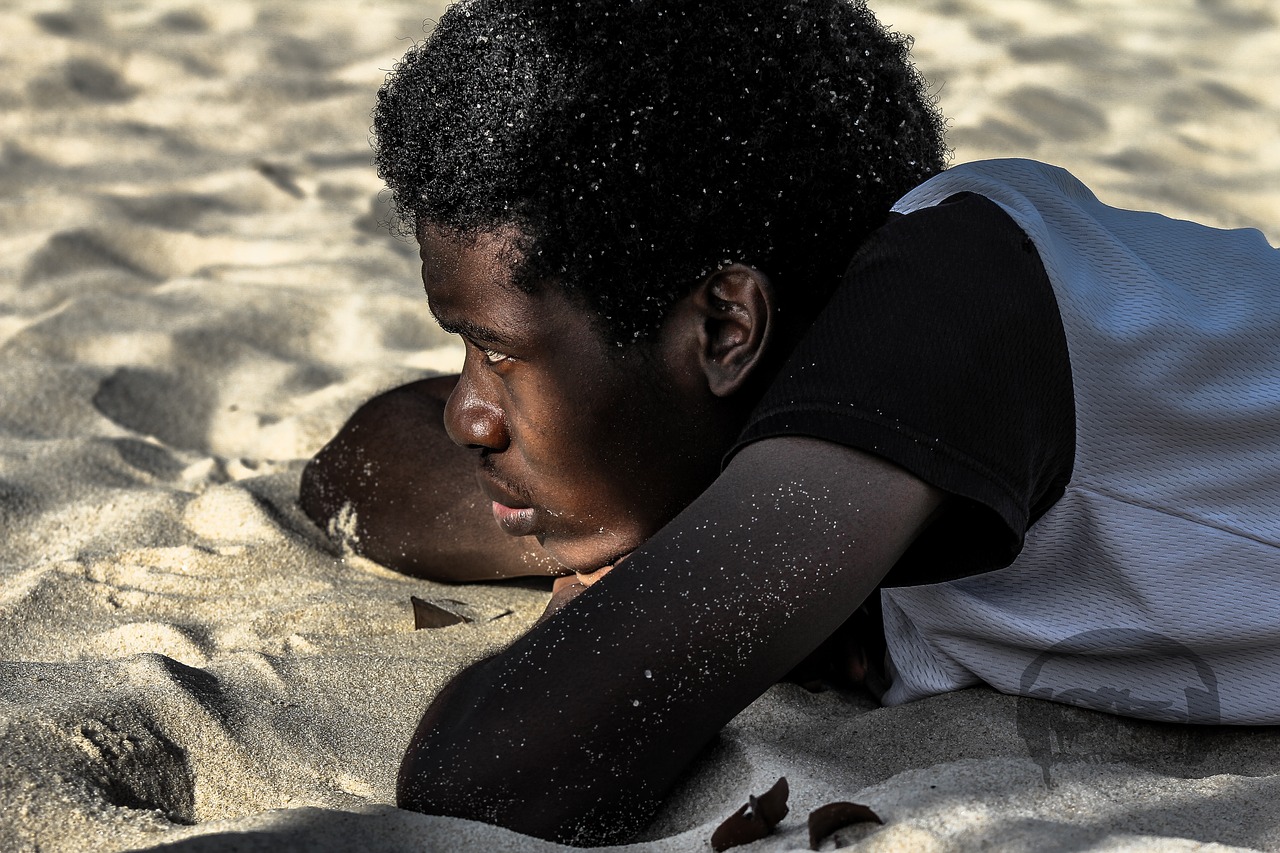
column 638, row 217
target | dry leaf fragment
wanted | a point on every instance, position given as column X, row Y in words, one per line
column 755, row 820
column 825, row 820
column 428, row 615
column 771, row 806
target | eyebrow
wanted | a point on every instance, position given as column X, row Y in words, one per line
column 471, row 331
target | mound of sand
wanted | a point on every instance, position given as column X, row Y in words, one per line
column 195, row 291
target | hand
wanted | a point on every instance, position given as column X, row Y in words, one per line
column 853, row 656
column 568, row 587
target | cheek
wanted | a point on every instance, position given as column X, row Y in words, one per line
column 609, row 446
column 588, row 448
column 643, row 455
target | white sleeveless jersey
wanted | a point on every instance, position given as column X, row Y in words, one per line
column 1152, row 588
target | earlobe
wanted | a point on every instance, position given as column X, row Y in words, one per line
column 737, row 313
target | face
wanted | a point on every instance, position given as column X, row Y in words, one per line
column 587, row 447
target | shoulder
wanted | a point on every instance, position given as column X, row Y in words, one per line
column 943, row 352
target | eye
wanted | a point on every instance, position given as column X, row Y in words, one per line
column 493, row 356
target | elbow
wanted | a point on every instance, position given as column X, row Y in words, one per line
column 333, row 497
column 424, row 785
column 354, row 492
column 445, row 770
column 500, row 801
column 316, row 495
column 484, row 791
column 463, row 762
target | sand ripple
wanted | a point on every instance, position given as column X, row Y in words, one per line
column 196, row 289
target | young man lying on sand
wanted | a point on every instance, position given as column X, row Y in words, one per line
column 916, row 450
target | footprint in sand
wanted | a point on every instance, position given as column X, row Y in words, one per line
column 1204, row 101
column 173, row 210
column 87, row 728
column 1074, row 49
column 82, row 23
column 150, row 459
column 97, row 81
column 233, row 406
column 158, row 404
column 135, row 765
column 1241, row 15
column 1056, row 116
column 184, row 21
column 72, row 252
column 80, row 80
column 153, row 254
column 305, row 55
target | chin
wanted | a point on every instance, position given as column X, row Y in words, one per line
column 586, row 557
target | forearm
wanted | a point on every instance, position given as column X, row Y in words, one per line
column 577, row 730
column 400, row 492
column 561, row 740
column 503, row 754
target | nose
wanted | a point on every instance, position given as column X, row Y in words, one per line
column 473, row 417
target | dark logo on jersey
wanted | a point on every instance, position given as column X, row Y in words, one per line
column 1055, row 733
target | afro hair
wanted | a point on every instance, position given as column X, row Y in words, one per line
column 638, row 145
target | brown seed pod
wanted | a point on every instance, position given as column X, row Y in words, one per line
column 825, row 820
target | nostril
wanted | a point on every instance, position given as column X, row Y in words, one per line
column 474, row 422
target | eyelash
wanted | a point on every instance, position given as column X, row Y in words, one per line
column 491, row 356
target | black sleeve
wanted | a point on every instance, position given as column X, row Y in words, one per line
column 942, row 351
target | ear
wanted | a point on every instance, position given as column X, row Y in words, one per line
column 736, row 313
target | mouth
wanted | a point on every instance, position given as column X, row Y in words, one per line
column 515, row 520
column 510, row 509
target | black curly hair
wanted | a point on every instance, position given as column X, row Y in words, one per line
column 638, row 145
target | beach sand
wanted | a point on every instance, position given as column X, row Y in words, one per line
column 196, row 290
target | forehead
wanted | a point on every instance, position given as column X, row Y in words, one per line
column 449, row 259
column 463, row 274
column 471, row 289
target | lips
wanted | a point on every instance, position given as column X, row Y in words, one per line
column 515, row 521
column 512, row 513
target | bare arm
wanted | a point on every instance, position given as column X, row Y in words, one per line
column 579, row 728
column 410, row 493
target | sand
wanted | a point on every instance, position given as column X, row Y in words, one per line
column 195, row 291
